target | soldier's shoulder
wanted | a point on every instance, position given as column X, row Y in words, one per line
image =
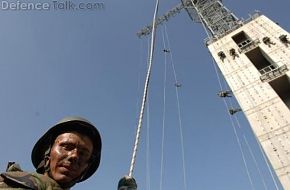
column 18, row 179
column 26, row 180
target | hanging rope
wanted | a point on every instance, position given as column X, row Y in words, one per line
column 137, row 138
column 255, row 161
column 235, row 131
column 148, row 181
column 245, row 138
column 179, row 112
column 233, row 126
column 248, row 146
column 164, row 114
column 256, row 138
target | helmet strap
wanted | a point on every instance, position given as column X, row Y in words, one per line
column 46, row 163
column 43, row 166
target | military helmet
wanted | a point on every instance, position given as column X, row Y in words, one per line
column 68, row 124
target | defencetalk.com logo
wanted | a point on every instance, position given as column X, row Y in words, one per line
column 49, row 5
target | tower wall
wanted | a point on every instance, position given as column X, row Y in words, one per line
column 257, row 73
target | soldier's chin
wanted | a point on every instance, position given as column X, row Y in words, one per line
column 63, row 178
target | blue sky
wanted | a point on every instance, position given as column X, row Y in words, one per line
column 56, row 63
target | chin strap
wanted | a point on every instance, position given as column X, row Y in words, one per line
column 43, row 166
column 84, row 172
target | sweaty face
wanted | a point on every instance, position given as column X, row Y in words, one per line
column 69, row 157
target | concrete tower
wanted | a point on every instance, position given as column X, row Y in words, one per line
column 254, row 58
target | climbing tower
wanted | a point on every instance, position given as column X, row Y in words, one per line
column 254, row 58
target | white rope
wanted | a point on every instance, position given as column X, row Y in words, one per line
column 219, row 80
column 179, row 113
column 255, row 161
column 235, row 131
column 232, row 122
column 260, row 147
column 249, row 148
column 148, row 179
column 163, row 115
column 137, row 138
column 262, row 124
column 267, row 163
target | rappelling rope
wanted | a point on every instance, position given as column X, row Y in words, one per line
column 137, row 138
column 248, row 146
column 148, row 181
column 256, row 163
column 179, row 113
column 260, row 147
column 164, row 114
column 262, row 152
column 235, row 131
column 232, row 122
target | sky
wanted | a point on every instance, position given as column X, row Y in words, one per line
column 90, row 63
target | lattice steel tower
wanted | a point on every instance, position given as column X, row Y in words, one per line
column 254, row 57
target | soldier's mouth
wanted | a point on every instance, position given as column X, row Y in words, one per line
column 68, row 167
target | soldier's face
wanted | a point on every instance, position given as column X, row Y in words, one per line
column 69, row 157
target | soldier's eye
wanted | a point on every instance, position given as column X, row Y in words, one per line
column 67, row 146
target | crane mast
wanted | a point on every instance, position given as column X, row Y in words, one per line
column 217, row 19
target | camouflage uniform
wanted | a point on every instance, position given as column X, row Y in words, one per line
column 24, row 180
column 15, row 178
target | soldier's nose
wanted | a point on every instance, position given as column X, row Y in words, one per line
column 73, row 155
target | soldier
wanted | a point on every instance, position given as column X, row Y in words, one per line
column 66, row 154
